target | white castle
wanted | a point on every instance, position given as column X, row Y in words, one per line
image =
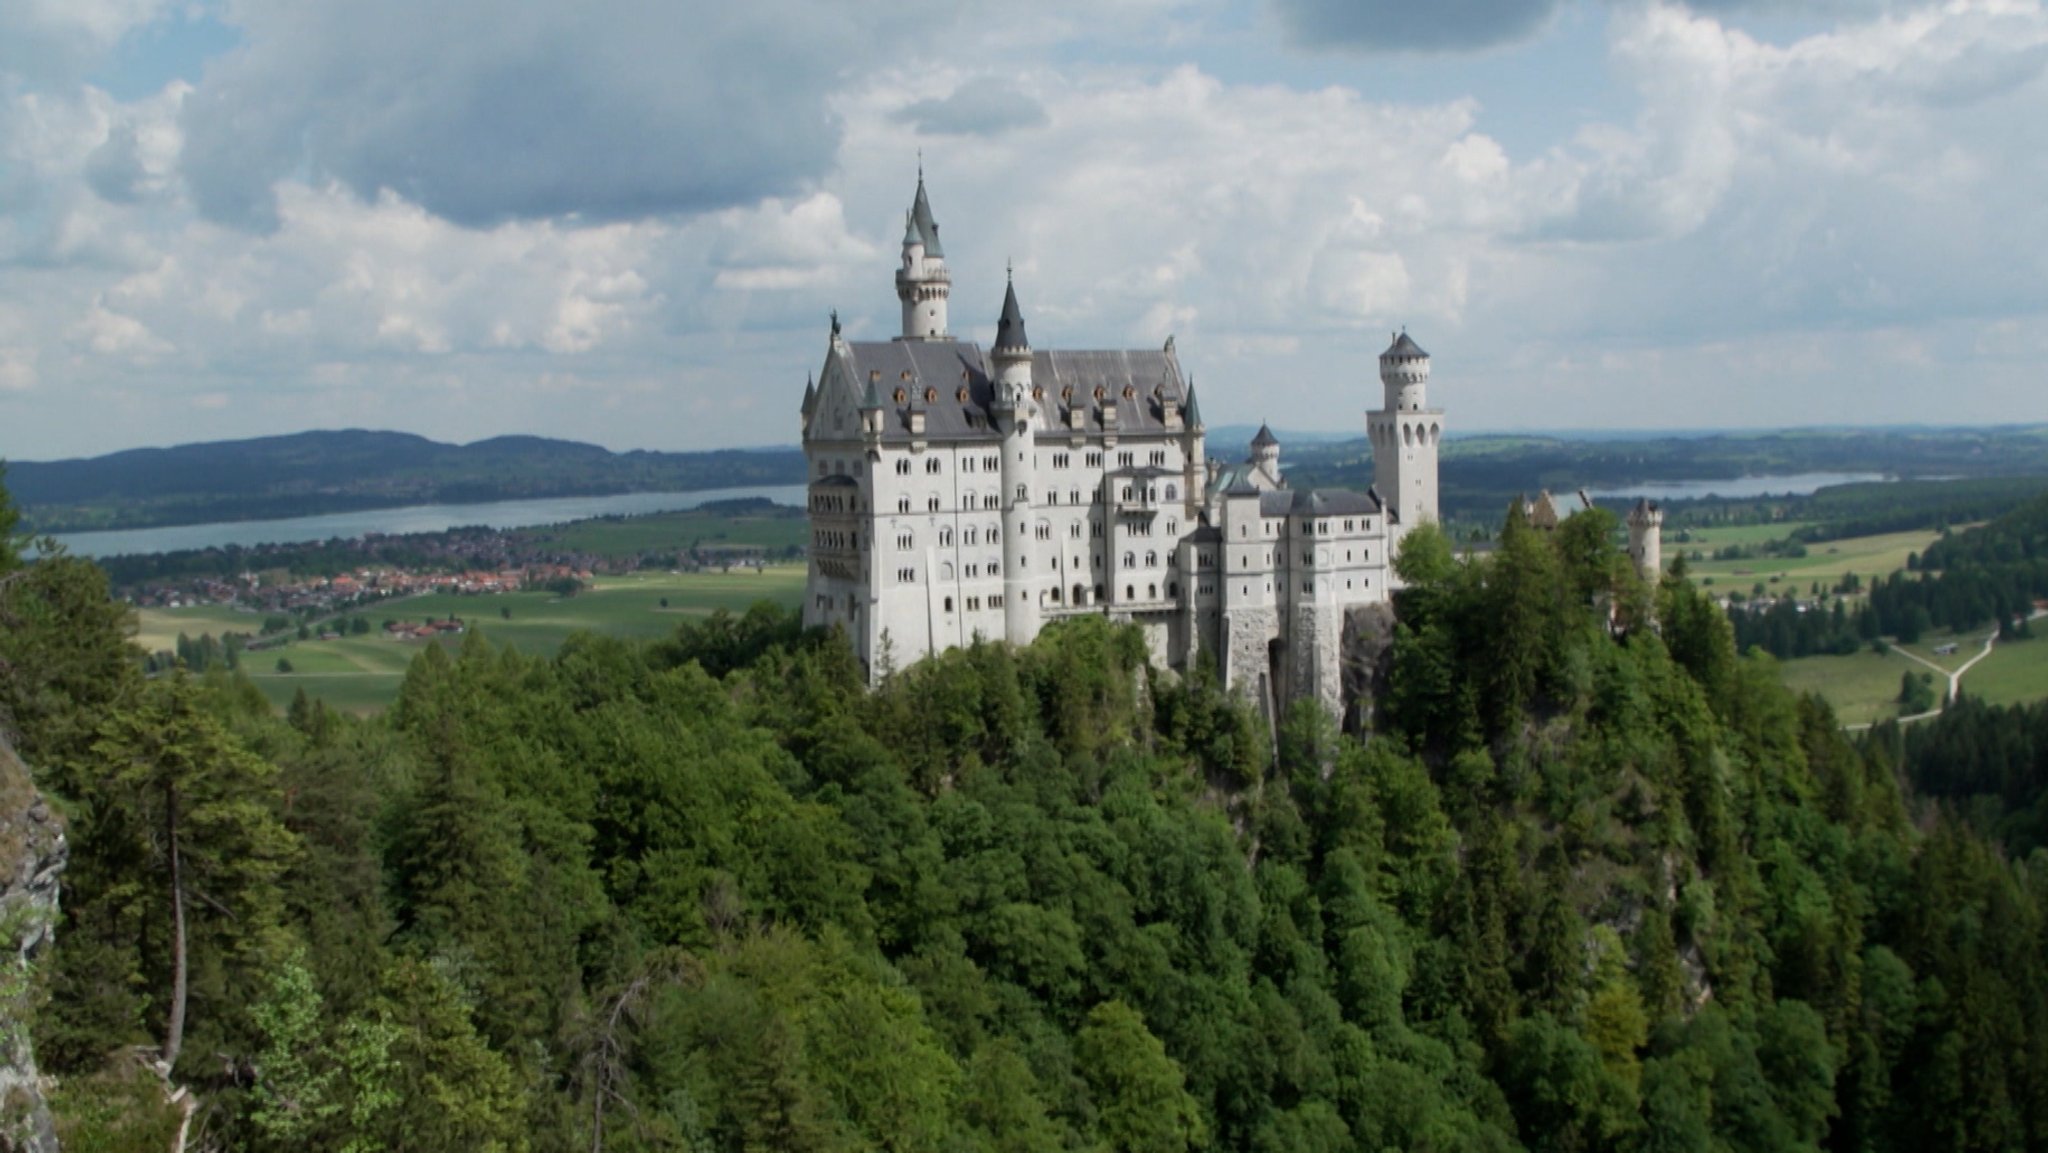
column 957, row 493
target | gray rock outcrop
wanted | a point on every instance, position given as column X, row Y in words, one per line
column 32, row 854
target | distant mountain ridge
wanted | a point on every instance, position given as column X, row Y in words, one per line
column 308, row 473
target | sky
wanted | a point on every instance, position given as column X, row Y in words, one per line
column 628, row 221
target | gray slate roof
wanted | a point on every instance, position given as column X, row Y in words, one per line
column 1265, row 438
column 1403, row 348
column 1010, row 326
column 1318, row 502
column 945, row 365
column 921, row 219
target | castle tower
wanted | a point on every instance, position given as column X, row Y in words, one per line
column 1014, row 410
column 1266, row 453
column 1195, row 469
column 922, row 282
column 1646, row 539
column 1405, row 434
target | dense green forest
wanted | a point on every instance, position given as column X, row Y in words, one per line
column 1593, row 882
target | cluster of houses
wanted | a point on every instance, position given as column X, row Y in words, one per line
column 364, row 586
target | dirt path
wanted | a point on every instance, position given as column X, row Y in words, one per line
column 1955, row 679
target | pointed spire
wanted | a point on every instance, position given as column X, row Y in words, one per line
column 1193, row 417
column 910, row 234
column 810, row 394
column 835, row 322
column 873, row 397
column 921, row 217
column 1010, row 328
column 1265, row 438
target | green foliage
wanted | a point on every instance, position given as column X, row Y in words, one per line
column 1597, row 883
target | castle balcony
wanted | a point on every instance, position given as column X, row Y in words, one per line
column 1143, row 491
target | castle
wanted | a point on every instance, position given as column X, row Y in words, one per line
column 957, row 492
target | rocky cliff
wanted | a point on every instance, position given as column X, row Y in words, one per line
column 32, row 854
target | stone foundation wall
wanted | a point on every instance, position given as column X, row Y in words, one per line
column 1246, row 634
column 1314, row 672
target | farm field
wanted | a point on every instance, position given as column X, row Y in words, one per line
column 361, row 674
column 671, row 531
column 2016, row 671
column 1863, row 687
column 1825, row 561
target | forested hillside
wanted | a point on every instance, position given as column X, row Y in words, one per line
column 340, row 471
column 1595, row 883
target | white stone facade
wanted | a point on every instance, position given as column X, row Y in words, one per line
column 956, row 492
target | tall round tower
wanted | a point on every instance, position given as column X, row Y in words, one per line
column 1646, row 539
column 1013, row 412
column 922, row 283
column 1405, row 434
column 1266, row 452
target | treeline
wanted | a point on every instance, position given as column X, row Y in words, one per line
column 1982, row 577
column 1594, row 883
column 1988, row 764
column 343, row 471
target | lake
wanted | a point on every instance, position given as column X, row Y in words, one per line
column 1738, row 488
column 395, row 521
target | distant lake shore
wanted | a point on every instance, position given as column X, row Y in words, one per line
column 414, row 519
column 1737, row 488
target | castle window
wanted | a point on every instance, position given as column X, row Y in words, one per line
column 932, row 504
column 901, row 396
column 1074, row 530
column 963, row 394
column 969, row 535
column 949, row 604
column 905, row 541
column 1130, row 560
column 1060, row 459
column 932, row 466
column 902, row 504
column 1158, row 458
column 1151, row 560
column 902, row 468
column 973, row 604
column 931, row 395
column 1023, row 493
column 996, row 601
column 1130, row 592
column 994, row 569
column 994, row 534
column 1074, row 496
column 1044, row 531
column 966, row 464
column 1172, row 493
column 946, row 538
column 1173, row 588
column 1130, row 392
column 1125, row 459
column 973, row 571
column 1308, row 586
column 906, row 576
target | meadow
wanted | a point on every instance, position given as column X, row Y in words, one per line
column 361, row 674
column 1825, row 561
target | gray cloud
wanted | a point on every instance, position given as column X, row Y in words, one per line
column 115, row 168
column 977, row 108
column 483, row 112
column 1417, row 25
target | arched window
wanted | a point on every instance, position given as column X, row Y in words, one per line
column 1172, row 493
column 1151, row 592
column 1130, row 560
column 1130, row 592
column 949, row 604
column 1151, row 560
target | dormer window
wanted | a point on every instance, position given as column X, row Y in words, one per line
column 963, row 394
column 902, row 395
column 931, row 396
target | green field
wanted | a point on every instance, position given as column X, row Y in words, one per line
column 2016, row 671
column 362, row 673
column 675, row 531
column 1826, row 561
column 1863, row 687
